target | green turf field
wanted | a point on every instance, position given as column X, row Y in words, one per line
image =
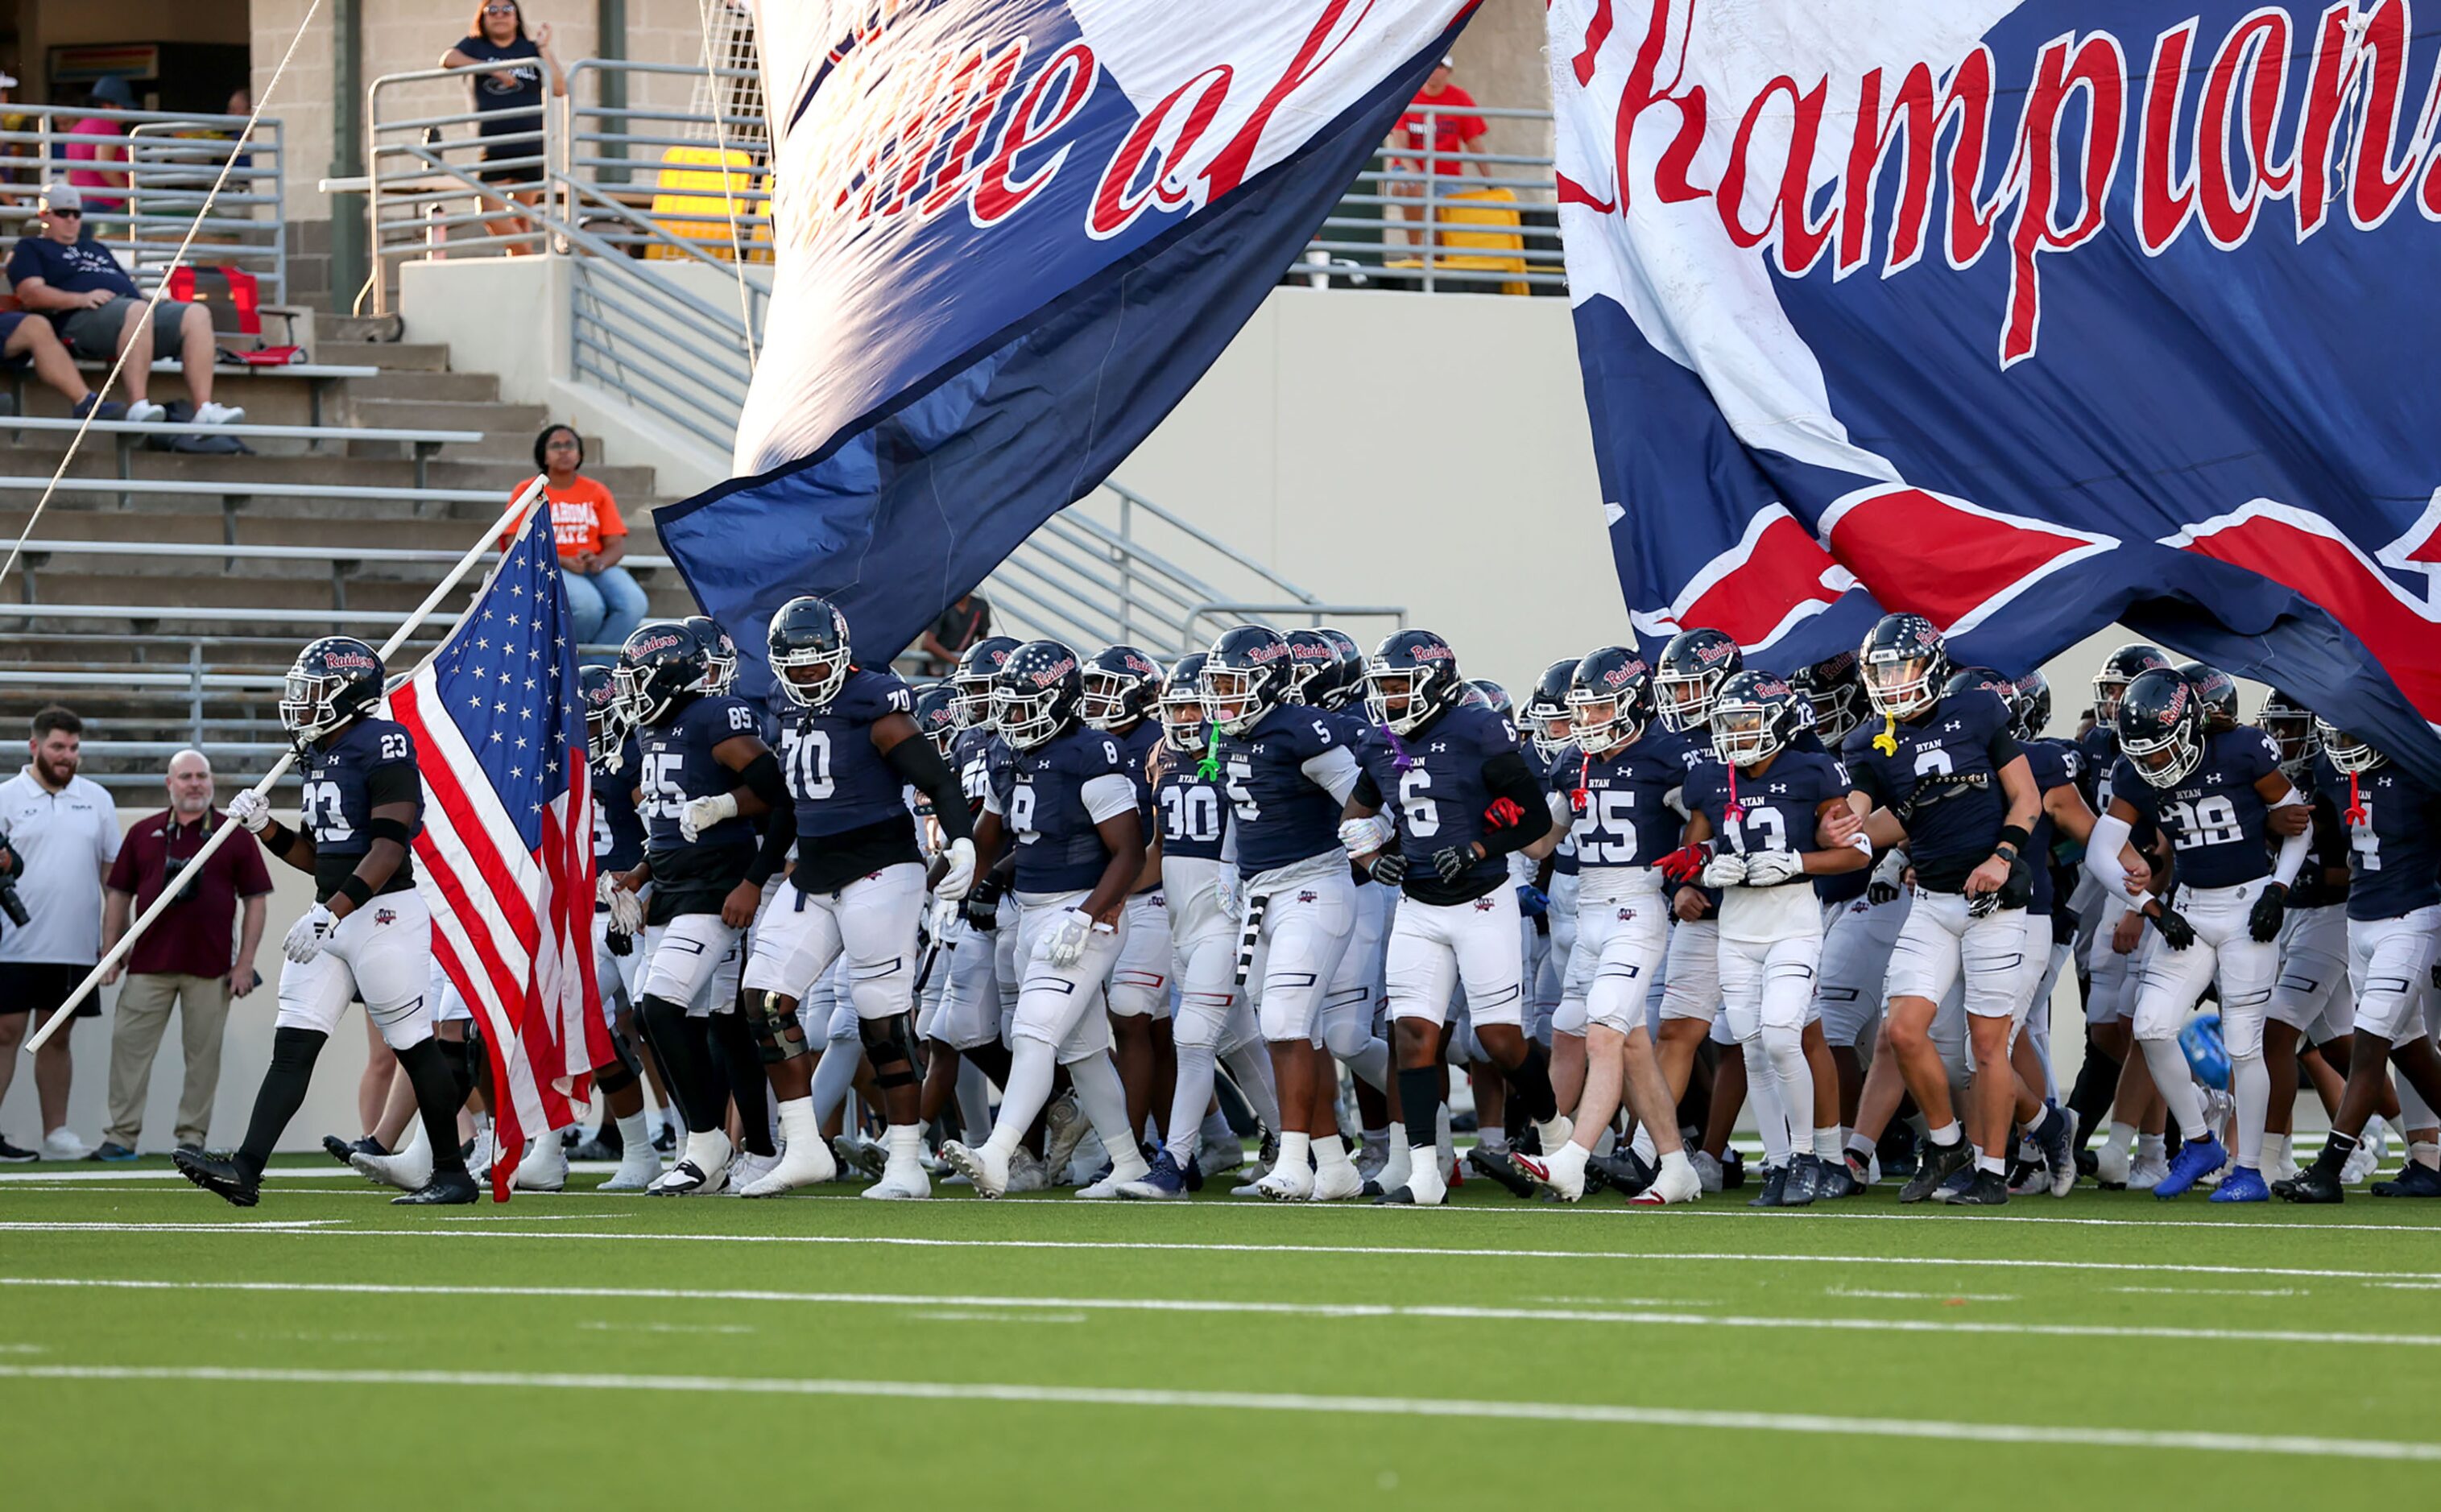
column 325, row 1350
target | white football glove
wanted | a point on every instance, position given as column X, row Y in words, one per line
column 701, row 813
column 959, row 880
column 605, row 884
column 947, row 923
column 626, row 911
column 250, row 809
column 1888, row 879
column 1065, row 945
column 1363, row 837
column 306, row 935
column 1727, row 870
column 1230, row 892
column 1769, row 869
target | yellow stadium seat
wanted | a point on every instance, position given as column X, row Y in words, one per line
column 1481, row 227
column 693, row 184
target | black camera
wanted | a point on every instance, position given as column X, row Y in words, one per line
column 172, row 867
column 10, row 904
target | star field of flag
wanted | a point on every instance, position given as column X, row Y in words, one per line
column 509, row 681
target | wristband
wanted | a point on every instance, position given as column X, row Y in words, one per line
column 274, row 837
column 356, row 891
column 2015, row 837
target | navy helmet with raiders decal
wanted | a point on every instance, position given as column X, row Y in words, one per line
column 972, row 684
column 1322, row 670
column 1547, row 707
column 719, row 653
column 1966, row 679
column 1182, row 703
column 2293, row 728
column 1035, row 697
column 2220, row 690
column 1120, row 685
column 1410, row 680
column 2030, row 700
column 1491, row 696
column 1835, row 693
column 1755, row 714
column 1245, row 676
column 605, row 730
column 333, row 680
column 1691, row 666
column 1348, row 687
column 1609, row 699
column 2119, row 669
column 933, row 716
column 1903, row 664
column 2161, row 726
column 662, row 662
column 809, row 650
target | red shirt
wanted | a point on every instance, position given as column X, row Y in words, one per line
column 1446, row 129
column 196, row 937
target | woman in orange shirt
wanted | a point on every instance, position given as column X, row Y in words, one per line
column 606, row 603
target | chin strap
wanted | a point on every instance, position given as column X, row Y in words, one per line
column 1399, row 760
column 1736, row 812
column 1577, row 798
column 1888, row 741
column 2356, row 814
column 1208, row 769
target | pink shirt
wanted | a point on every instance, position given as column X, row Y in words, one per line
column 90, row 179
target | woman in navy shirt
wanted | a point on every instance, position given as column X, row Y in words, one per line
column 509, row 99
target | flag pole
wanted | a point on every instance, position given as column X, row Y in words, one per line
column 512, row 523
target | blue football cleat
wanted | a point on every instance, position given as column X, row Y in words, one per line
column 2196, row 1159
column 1163, row 1183
column 2245, row 1184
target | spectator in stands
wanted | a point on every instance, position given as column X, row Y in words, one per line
column 63, row 832
column 605, row 601
column 28, row 340
column 185, row 957
column 967, row 621
column 97, row 310
column 1438, row 124
column 509, row 102
column 110, row 92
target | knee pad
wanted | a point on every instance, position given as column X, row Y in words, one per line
column 620, row 1071
column 294, row 1050
column 1346, row 1028
column 779, row 1034
column 890, row 1048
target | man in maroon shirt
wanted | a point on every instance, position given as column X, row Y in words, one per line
column 184, row 958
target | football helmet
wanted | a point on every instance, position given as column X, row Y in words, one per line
column 1754, row 715
column 2299, row 734
column 333, row 680
column 2219, row 691
column 1120, row 685
column 1491, row 696
column 1350, row 686
column 809, row 650
column 2349, row 753
column 719, row 653
column 1903, row 664
column 2030, row 701
column 1319, row 670
column 1182, row 704
column 1411, row 678
column 2161, row 726
column 933, row 716
column 2119, row 669
column 1610, row 697
column 1036, row 694
column 1837, row 694
column 1966, row 679
column 1547, row 709
column 605, row 731
column 662, row 662
column 1246, row 675
column 971, row 685
column 1691, row 667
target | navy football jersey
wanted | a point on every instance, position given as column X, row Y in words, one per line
column 1135, row 745
column 676, row 763
column 2394, row 845
column 1041, row 795
column 1624, row 818
column 1548, row 774
column 370, row 761
column 618, row 829
column 840, row 782
column 1194, row 817
column 1283, row 816
column 2054, row 764
column 2097, row 750
column 1777, row 811
column 971, row 757
column 1942, row 782
column 1439, row 801
column 2214, row 818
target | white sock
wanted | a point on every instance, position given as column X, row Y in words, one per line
column 635, row 1133
column 2152, row 1147
column 1295, row 1149
column 974, row 1103
column 799, row 1128
column 1196, row 1065
column 2177, row 1085
column 2275, row 1151
column 707, row 1149
column 906, row 1141
column 834, row 1076
column 1783, row 1056
column 1642, row 1146
column 2123, row 1136
column 1771, row 1114
column 1828, row 1145
column 2251, row 1080
column 1676, row 1160
column 1555, row 1133
column 2424, row 1152
column 1031, row 1066
column 1328, row 1151
column 1944, row 1136
column 1104, row 1098
column 1399, row 1164
column 1492, row 1140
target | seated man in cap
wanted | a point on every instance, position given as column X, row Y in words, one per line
column 98, row 311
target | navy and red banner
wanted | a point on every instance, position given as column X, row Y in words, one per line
column 1011, row 235
column 2025, row 316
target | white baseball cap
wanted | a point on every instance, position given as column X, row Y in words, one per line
column 61, row 196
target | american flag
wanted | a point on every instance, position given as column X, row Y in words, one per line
column 505, row 858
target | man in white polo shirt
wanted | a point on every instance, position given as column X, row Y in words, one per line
column 63, row 832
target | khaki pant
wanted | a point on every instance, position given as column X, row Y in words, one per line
column 143, row 1014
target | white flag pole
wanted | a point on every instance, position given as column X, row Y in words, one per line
column 513, row 523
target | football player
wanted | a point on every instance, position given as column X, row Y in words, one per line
column 1121, row 683
column 1864, row 920
column 1613, row 790
column 2110, row 964
column 2394, row 821
column 1464, row 800
column 1285, row 771
column 707, row 879
column 368, row 935
column 1944, row 776
column 857, row 891
column 2211, row 792
column 1557, row 881
column 1065, row 800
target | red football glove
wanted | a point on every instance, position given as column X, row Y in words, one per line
column 1503, row 812
column 1686, row 863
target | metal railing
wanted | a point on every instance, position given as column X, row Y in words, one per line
column 1435, row 212
column 164, row 164
column 343, row 564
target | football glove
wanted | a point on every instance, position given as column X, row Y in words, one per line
column 1727, row 870
column 1453, row 861
column 1503, row 812
column 1769, row 869
column 946, row 922
column 2263, row 920
column 1391, row 867
column 306, row 935
column 701, row 813
column 1889, row 878
column 1363, row 837
column 1532, row 901
column 1682, row 865
column 1229, row 890
column 959, row 880
column 2176, row 932
column 626, row 911
column 250, row 809
column 1065, row 945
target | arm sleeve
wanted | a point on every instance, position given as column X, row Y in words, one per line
column 1366, row 792
column 2002, row 748
column 778, row 833
column 1507, row 776
column 761, row 777
column 1332, row 770
column 2291, row 858
column 397, row 782
column 2101, row 855
column 1560, row 811
column 1108, row 796
column 1867, row 777
column 915, row 761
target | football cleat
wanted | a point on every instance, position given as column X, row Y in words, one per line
column 2316, row 1184
column 1982, row 1189
column 640, row 1166
column 1936, row 1165
column 1733, row 1169
column 544, row 1167
column 802, row 1163
column 1833, row 1183
column 1065, row 1127
column 1863, row 1170
column 1804, row 1184
column 2196, row 1159
column 2061, row 1152
column 1105, row 1188
column 1423, row 1190
column 1026, row 1172
column 744, row 1169
column 1565, row 1174
column 1163, row 1183
column 1708, row 1170
column 2244, row 1184
column 2147, row 1172
column 409, row 1170
column 2413, row 1182
column 1500, row 1165
column 339, row 1149
column 1337, row 1183
column 447, row 1189
column 2112, row 1166
column 981, row 1165
column 902, row 1178
column 1670, row 1184
column 1775, row 1186
column 1624, row 1173
column 1220, row 1156
column 1288, row 1181
column 854, row 1152
column 224, row 1178
column 2373, row 1147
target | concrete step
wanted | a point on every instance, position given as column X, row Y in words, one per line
column 480, row 386
column 325, row 469
column 391, row 356
column 508, row 429
column 204, row 527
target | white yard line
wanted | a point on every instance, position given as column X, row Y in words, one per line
column 1035, row 1394
column 1208, row 1306
column 210, row 1226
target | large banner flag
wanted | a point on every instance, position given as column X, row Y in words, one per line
column 1011, row 234
column 505, row 857
column 2026, row 317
